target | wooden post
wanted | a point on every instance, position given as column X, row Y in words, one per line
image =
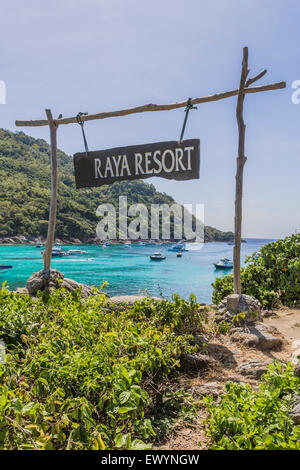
column 241, row 160
column 53, row 201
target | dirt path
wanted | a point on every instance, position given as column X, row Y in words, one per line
column 287, row 321
column 230, row 357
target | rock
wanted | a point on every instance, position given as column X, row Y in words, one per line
column 48, row 280
column 253, row 369
column 191, row 363
column 295, row 356
column 268, row 314
column 76, row 241
column 297, row 370
column 234, row 304
column 130, row 299
column 22, row 290
column 295, row 410
column 200, row 340
column 210, row 388
column 259, row 336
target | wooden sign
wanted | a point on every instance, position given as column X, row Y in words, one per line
column 171, row 160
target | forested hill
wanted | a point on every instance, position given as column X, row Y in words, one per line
column 25, row 193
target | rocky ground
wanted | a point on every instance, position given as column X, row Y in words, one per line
column 239, row 361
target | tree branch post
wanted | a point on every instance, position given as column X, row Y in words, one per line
column 54, row 183
column 241, row 160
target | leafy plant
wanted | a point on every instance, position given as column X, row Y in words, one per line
column 273, row 277
column 80, row 374
column 248, row 420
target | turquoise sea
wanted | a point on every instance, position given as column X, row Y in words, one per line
column 130, row 270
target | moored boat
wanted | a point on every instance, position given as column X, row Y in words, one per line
column 157, row 256
column 76, row 252
column 180, row 246
column 4, row 268
column 224, row 263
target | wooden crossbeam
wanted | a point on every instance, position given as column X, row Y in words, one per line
column 157, row 107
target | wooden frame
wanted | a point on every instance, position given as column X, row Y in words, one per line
column 241, row 159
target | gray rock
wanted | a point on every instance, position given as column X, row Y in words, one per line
column 234, row 304
column 200, row 340
column 297, row 370
column 210, row 388
column 253, row 369
column 130, row 299
column 295, row 410
column 268, row 314
column 191, row 363
column 54, row 279
column 259, row 336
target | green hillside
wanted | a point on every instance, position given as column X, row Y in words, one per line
column 25, row 193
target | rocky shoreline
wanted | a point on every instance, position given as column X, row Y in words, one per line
column 31, row 240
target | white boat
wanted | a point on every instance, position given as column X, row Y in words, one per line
column 56, row 252
column 76, row 252
column 224, row 263
column 157, row 256
column 180, row 246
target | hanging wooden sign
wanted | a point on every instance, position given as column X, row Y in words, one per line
column 171, row 160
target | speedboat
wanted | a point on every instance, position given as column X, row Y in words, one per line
column 224, row 263
column 76, row 252
column 151, row 243
column 56, row 252
column 4, row 268
column 157, row 256
column 180, row 246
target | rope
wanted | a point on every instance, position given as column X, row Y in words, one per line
column 81, row 123
column 189, row 106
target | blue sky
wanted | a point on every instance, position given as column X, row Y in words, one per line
column 101, row 55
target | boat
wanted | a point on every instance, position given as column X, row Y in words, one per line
column 107, row 244
column 76, row 252
column 4, row 268
column 157, row 256
column 224, row 263
column 142, row 243
column 127, row 245
column 56, row 252
column 180, row 246
column 230, row 243
column 39, row 245
column 179, row 254
column 151, row 243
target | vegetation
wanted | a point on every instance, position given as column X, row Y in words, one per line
column 273, row 277
column 88, row 374
column 248, row 420
column 25, row 193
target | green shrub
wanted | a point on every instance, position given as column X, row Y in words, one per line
column 272, row 278
column 247, row 420
column 79, row 374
